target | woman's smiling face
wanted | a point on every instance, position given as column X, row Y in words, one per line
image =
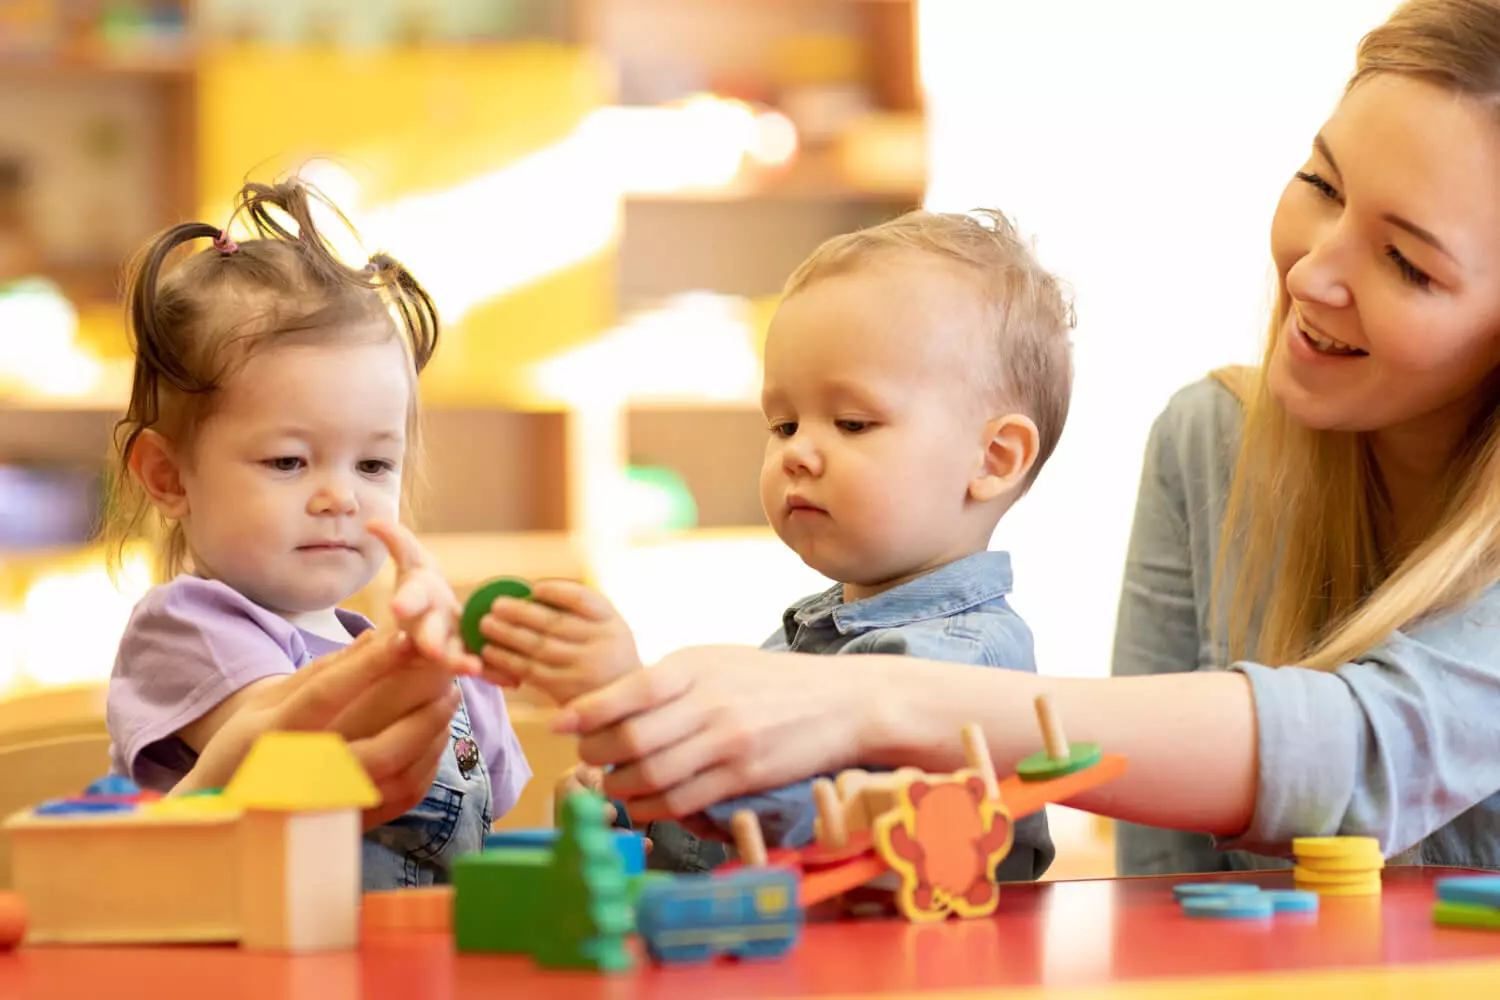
column 1387, row 244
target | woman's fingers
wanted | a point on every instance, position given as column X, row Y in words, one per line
column 694, row 795
column 636, row 692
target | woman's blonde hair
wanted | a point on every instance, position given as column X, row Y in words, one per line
column 1300, row 538
column 192, row 325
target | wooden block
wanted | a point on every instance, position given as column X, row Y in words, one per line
column 301, row 880
column 87, row 880
column 429, row 908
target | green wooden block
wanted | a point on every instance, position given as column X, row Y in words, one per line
column 1466, row 915
column 590, row 911
column 498, row 896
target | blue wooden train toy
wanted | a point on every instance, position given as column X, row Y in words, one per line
column 748, row 914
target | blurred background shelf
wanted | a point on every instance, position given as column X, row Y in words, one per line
column 603, row 196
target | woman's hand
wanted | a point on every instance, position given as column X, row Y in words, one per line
column 424, row 604
column 401, row 758
column 711, row 722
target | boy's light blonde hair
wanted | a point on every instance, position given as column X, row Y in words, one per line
column 1029, row 313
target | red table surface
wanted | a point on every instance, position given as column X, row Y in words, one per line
column 1050, row 934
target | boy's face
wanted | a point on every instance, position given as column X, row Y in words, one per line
column 876, row 421
column 303, row 447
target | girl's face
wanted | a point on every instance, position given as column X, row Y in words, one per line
column 303, row 447
column 1387, row 244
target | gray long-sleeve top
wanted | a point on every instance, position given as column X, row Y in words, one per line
column 1403, row 746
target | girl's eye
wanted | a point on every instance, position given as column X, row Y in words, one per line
column 784, row 430
column 853, row 426
column 286, row 463
column 376, row 467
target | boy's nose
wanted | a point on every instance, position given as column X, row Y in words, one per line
column 800, row 457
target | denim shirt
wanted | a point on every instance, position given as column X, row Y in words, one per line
column 1402, row 745
column 957, row 613
column 418, row 848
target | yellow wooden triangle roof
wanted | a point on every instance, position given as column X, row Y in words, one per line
column 301, row 772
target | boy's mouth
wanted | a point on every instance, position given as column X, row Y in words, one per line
column 796, row 504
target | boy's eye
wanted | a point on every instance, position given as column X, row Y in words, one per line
column 285, row 463
column 785, row 429
column 376, row 467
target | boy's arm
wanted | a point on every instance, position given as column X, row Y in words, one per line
column 786, row 815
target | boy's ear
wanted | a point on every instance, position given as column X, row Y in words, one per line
column 1010, row 448
column 154, row 464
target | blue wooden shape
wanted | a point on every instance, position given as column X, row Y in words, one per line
column 751, row 913
column 630, row 845
column 1480, row 890
column 1246, row 906
column 1185, row 890
column 78, row 807
column 1292, row 900
column 112, row 784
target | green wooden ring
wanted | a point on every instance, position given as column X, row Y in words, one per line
column 1040, row 767
column 478, row 605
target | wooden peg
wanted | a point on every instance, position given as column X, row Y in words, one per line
column 748, row 841
column 832, row 832
column 1053, row 736
column 977, row 751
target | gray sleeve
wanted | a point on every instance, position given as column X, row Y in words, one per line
column 1157, row 628
column 1394, row 747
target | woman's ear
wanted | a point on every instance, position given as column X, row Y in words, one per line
column 154, row 464
column 1010, row 447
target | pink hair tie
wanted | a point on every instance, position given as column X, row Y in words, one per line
column 224, row 244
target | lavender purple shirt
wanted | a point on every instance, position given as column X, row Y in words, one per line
column 191, row 643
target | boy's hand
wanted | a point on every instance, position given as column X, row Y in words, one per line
column 567, row 640
column 424, row 605
column 586, row 778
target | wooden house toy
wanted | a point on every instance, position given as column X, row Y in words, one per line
column 272, row 862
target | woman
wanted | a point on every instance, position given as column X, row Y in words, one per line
column 1328, row 524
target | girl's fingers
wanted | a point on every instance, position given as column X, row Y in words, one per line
column 406, row 552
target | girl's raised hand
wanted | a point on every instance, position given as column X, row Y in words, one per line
column 424, row 604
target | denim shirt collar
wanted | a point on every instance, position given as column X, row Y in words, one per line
column 948, row 590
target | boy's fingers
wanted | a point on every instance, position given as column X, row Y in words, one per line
column 542, row 618
column 538, row 647
column 573, row 597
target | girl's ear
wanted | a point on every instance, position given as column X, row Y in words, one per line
column 154, row 464
column 1010, row 447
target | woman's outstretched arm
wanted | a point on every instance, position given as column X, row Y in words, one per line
column 711, row 722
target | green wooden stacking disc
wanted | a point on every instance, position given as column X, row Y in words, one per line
column 1040, row 767
column 478, row 605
